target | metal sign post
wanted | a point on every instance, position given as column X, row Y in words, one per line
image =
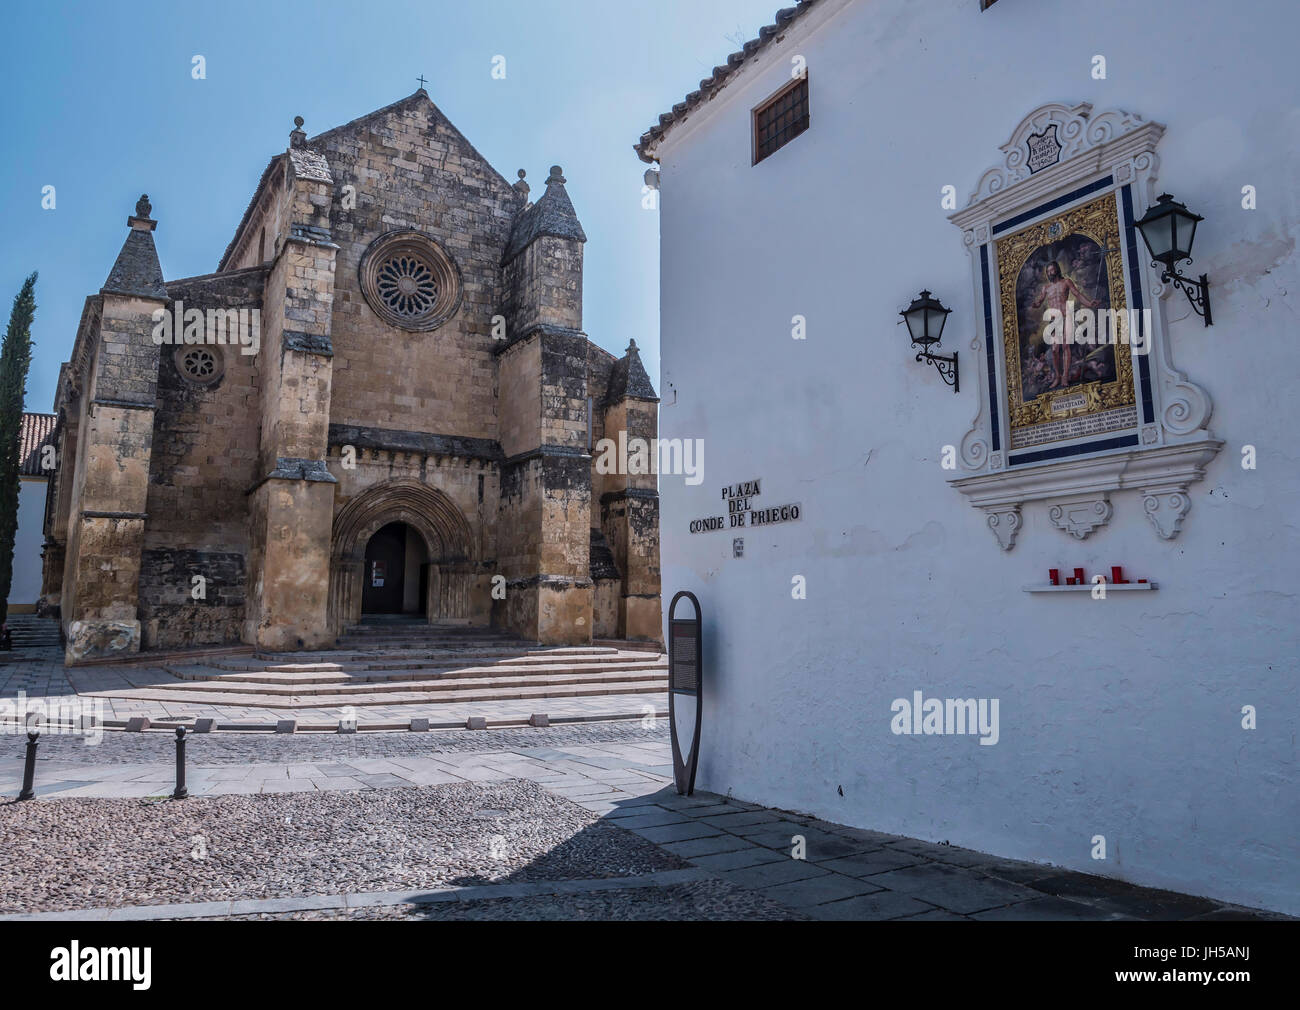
column 685, row 661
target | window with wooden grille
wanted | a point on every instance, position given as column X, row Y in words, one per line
column 781, row 118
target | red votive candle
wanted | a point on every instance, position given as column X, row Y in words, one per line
column 1142, row 582
column 1055, row 575
column 1071, row 582
column 1117, row 575
column 1078, row 576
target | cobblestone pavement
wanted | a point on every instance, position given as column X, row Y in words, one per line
column 700, row 901
column 77, row 853
column 361, row 796
column 39, row 673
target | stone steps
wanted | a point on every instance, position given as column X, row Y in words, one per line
column 422, row 651
column 426, row 687
column 322, row 673
column 404, row 662
column 540, row 693
column 32, row 632
column 360, row 663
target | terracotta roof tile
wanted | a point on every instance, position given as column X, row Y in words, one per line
column 37, row 432
column 712, row 85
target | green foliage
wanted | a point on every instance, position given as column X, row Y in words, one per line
column 15, row 360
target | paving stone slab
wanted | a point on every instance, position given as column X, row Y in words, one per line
column 770, row 874
column 954, row 888
column 871, row 908
column 383, row 780
column 1019, row 872
column 788, row 828
column 1124, row 898
column 865, row 834
column 865, row 864
column 936, row 915
column 1047, row 910
column 671, row 799
column 737, row 860
column 708, row 846
column 819, row 890
column 630, row 809
column 708, row 810
column 954, row 855
column 289, row 786
column 677, row 832
column 930, row 850
column 650, row 817
column 1235, row 913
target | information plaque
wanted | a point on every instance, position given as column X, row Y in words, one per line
column 685, row 655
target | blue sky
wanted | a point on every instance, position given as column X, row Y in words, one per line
column 100, row 104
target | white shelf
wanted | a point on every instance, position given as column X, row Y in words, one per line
column 1111, row 587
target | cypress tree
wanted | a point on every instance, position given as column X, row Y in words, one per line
column 15, row 359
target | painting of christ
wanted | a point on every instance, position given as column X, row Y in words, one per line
column 1066, row 275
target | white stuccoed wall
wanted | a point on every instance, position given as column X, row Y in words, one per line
column 1120, row 718
column 28, row 541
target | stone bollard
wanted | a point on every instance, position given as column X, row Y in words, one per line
column 181, row 792
column 29, row 767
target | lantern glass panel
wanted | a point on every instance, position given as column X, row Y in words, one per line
column 934, row 324
column 1186, row 233
column 916, row 322
column 1159, row 237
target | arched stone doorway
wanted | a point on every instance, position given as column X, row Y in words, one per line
column 396, row 572
column 432, row 533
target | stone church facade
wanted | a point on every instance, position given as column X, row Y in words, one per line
column 403, row 425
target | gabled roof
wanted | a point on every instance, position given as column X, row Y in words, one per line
column 309, row 163
column 710, row 86
column 37, row 432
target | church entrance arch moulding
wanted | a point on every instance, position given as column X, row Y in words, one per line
column 448, row 546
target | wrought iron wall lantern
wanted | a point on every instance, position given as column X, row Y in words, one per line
column 925, row 319
column 1168, row 229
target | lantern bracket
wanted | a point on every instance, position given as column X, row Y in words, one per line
column 1197, row 291
column 946, row 366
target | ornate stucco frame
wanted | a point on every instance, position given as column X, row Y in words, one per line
column 1109, row 152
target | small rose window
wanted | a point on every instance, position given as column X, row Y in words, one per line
column 200, row 365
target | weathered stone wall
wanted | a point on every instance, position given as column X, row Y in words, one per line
column 543, row 286
column 599, row 364
column 410, row 168
column 126, row 361
column 520, row 367
column 205, row 458
column 170, row 615
column 629, row 518
column 110, row 484
column 292, row 506
column 519, row 543
column 608, row 588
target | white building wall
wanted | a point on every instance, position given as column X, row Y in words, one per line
column 26, row 587
column 1120, row 718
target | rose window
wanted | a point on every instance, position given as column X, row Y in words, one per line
column 407, row 286
column 200, row 365
column 409, row 281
